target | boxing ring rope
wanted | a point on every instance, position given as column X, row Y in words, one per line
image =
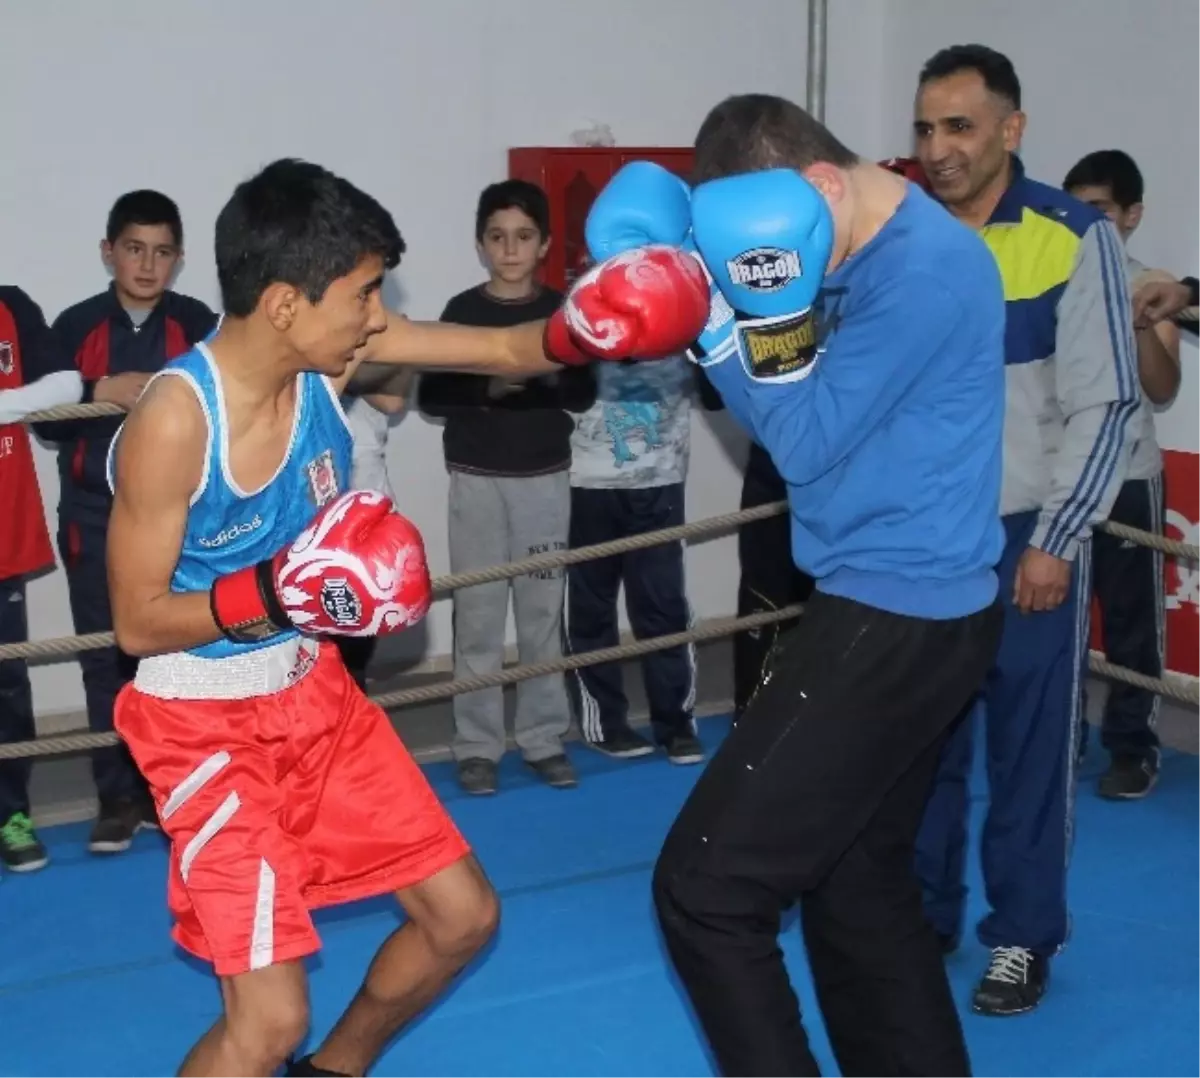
column 1172, row 686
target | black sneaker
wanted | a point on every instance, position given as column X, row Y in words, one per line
column 556, row 771
column 684, row 749
column 1129, row 776
column 1014, row 983
column 20, row 848
column 623, row 744
column 118, row 822
column 306, row 1066
column 477, row 776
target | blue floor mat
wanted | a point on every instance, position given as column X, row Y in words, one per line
column 576, row 982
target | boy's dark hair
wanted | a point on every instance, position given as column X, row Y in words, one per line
column 144, row 208
column 521, row 195
column 753, row 132
column 1113, row 169
column 299, row 224
column 996, row 69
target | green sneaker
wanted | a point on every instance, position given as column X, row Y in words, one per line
column 20, row 849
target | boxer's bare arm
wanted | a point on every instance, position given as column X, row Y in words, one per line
column 515, row 352
column 159, row 464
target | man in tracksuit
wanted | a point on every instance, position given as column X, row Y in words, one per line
column 1071, row 391
column 118, row 339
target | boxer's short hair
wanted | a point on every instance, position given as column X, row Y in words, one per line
column 753, row 132
column 299, row 224
column 996, row 69
column 521, row 195
column 143, row 207
column 1113, row 169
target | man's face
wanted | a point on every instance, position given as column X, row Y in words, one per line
column 512, row 246
column 326, row 334
column 143, row 259
column 963, row 136
column 1126, row 218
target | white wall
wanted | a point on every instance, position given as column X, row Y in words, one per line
column 417, row 102
column 1095, row 74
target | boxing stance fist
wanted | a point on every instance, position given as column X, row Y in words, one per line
column 766, row 238
column 357, row 570
column 642, row 204
column 645, row 303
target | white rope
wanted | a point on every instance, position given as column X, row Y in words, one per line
column 1176, row 688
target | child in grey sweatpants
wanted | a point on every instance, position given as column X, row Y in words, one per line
column 508, row 450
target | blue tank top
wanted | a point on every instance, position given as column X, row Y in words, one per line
column 229, row 528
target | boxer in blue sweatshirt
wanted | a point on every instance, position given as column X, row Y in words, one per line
column 857, row 332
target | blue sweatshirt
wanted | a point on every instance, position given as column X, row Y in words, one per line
column 891, row 446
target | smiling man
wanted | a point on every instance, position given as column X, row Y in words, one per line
column 1071, row 390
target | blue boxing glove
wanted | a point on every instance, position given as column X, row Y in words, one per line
column 766, row 238
column 716, row 341
column 642, row 205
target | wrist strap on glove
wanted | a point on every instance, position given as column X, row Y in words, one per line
column 245, row 605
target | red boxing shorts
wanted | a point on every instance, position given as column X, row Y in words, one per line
column 282, row 789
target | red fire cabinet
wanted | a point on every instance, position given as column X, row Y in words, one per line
column 571, row 178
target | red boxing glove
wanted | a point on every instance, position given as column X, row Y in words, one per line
column 645, row 303
column 358, row 569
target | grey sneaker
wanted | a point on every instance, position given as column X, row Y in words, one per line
column 477, row 776
column 556, row 771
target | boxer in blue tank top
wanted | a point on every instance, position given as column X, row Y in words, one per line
column 235, row 552
column 228, row 527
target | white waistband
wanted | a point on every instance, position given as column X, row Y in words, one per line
column 182, row 676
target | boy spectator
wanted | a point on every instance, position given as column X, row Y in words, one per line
column 1127, row 578
column 34, row 374
column 629, row 464
column 118, row 339
column 508, row 449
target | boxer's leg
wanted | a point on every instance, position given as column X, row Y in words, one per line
column 859, row 699
column 379, row 827
column 265, row 1017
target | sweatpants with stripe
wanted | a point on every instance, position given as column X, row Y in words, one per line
column 1032, row 703
column 655, row 601
column 1127, row 579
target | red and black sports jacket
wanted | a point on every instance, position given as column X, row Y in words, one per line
column 103, row 340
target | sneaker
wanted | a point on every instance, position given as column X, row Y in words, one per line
column 20, row 848
column 623, row 744
column 306, row 1066
column 1129, row 776
column 684, row 749
column 118, row 822
column 1014, row 983
column 477, row 776
column 556, row 771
